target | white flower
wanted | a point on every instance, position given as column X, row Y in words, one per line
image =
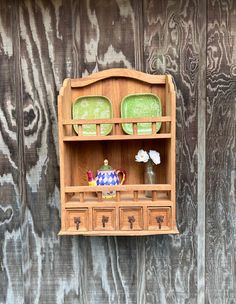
column 155, row 157
column 152, row 155
column 142, row 156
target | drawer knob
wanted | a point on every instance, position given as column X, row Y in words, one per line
column 105, row 220
column 160, row 220
column 131, row 220
column 77, row 222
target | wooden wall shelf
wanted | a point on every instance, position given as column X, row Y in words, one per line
column 130, row 212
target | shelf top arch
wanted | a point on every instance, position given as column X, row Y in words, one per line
column 118, row 72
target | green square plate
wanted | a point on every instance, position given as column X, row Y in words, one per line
column 139, row 106
column 92, row 107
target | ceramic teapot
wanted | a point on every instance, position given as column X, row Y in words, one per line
column 107, row 176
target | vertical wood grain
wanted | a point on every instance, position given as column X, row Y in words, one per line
column 201, row 178
column 106, row 34
column 221, row 153
column 11, row 209
column 54, row 269
column 172, row 45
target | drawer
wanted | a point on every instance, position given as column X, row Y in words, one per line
column 77, row 220
column 159, row 218
column 131, row 218
column 104, row 219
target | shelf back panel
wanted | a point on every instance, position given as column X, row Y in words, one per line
column 120, row 154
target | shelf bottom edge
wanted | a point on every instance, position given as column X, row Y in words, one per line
column 118, row 233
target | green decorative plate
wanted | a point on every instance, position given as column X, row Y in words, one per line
column 92, row 107
column 140, row 106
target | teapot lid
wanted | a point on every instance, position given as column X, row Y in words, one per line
column 105, row 167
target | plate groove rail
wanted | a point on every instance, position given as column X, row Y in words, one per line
column 116, row 122
column 135, row 189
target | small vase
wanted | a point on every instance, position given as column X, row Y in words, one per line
column 150, row 176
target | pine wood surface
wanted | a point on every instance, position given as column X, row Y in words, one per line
column 42, row 43
column 90, row 79
column 124, row 217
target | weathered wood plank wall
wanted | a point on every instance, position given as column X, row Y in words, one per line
column 41, row 43
column 221, row 153
column 172, row 35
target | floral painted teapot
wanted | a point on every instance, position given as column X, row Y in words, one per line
column 107, row 176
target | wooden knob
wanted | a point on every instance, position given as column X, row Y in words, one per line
column 77, row 222
column 160, row 220
column 131, row 220
column 105, row 220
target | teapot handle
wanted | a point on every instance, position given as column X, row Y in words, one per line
column 123, row 172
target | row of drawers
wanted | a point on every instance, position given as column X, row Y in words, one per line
column 122, row 218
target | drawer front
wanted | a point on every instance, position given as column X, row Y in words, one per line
column 77, row 220
column 131, row 218
column 104, row 219
column 159, row 218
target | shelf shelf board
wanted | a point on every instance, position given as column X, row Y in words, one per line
column 119, row 233
column 116, row 137
column 123, row 188
column 72, row 204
